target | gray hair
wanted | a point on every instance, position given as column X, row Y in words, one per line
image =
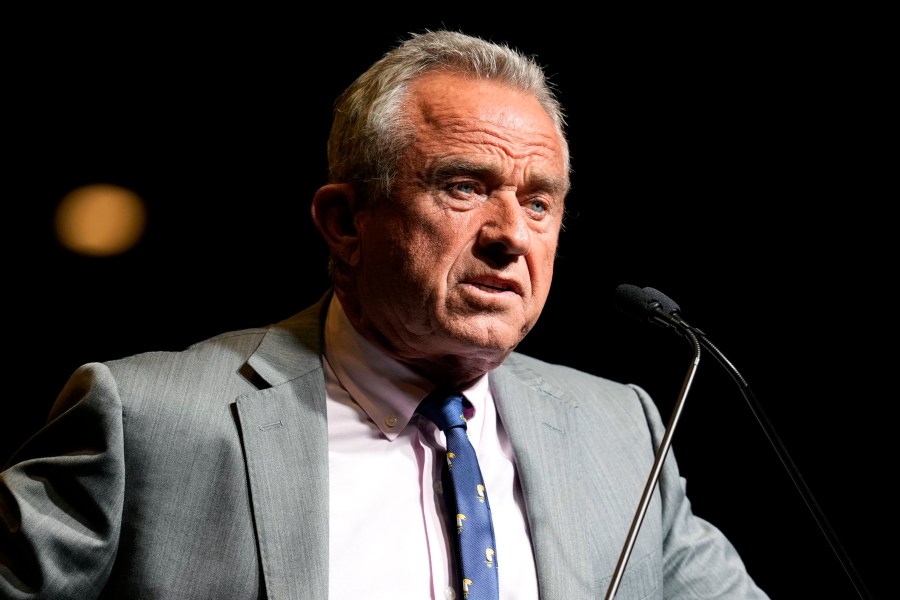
column 371, row 130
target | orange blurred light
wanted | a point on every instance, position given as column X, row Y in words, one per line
column 100, row 220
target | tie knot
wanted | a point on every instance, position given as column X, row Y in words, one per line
column 444, row 408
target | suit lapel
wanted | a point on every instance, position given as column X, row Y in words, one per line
column 541, row 423
column 285, row 438
column 285, row 435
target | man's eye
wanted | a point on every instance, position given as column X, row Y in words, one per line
column 537, row 206
column 463, row 188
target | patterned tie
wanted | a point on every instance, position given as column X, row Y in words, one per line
column 468, row 509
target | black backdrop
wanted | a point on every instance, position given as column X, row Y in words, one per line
column 736, row 161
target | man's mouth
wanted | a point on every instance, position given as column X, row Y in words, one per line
column 495, row 284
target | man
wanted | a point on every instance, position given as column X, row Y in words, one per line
column 290, row 461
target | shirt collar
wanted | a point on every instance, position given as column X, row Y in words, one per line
column 386, row 389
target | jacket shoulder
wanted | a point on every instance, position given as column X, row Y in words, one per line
column 563, row 379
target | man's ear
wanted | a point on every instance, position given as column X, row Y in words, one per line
column 333, row 211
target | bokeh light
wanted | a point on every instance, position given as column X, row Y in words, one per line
column 100, row 220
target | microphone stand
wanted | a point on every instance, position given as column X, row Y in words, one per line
column 658, row 308
column 661, row 453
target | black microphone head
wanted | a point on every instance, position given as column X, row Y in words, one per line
column 635, row 301
column 665, row 303
column 646, row 304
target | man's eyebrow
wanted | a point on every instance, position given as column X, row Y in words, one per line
column 447, row 169
column 555, row 186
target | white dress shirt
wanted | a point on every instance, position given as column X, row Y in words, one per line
column 387, row 531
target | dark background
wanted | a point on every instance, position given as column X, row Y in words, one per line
column 736, row 160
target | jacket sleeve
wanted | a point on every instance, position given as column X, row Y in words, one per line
column 61, row 495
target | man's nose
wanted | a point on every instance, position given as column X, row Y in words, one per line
column 505, row 225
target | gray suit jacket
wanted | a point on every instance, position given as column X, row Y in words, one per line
column 204, row 474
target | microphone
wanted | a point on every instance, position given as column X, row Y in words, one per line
column 653, row 306
column 647, row 304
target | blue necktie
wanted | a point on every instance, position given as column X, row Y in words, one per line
column 468, row 509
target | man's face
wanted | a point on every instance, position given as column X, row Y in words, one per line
column 457, row 264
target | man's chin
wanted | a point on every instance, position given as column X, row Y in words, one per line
column 489, row 338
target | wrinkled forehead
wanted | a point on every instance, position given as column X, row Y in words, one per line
column 441, row 92
column 485, row 120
